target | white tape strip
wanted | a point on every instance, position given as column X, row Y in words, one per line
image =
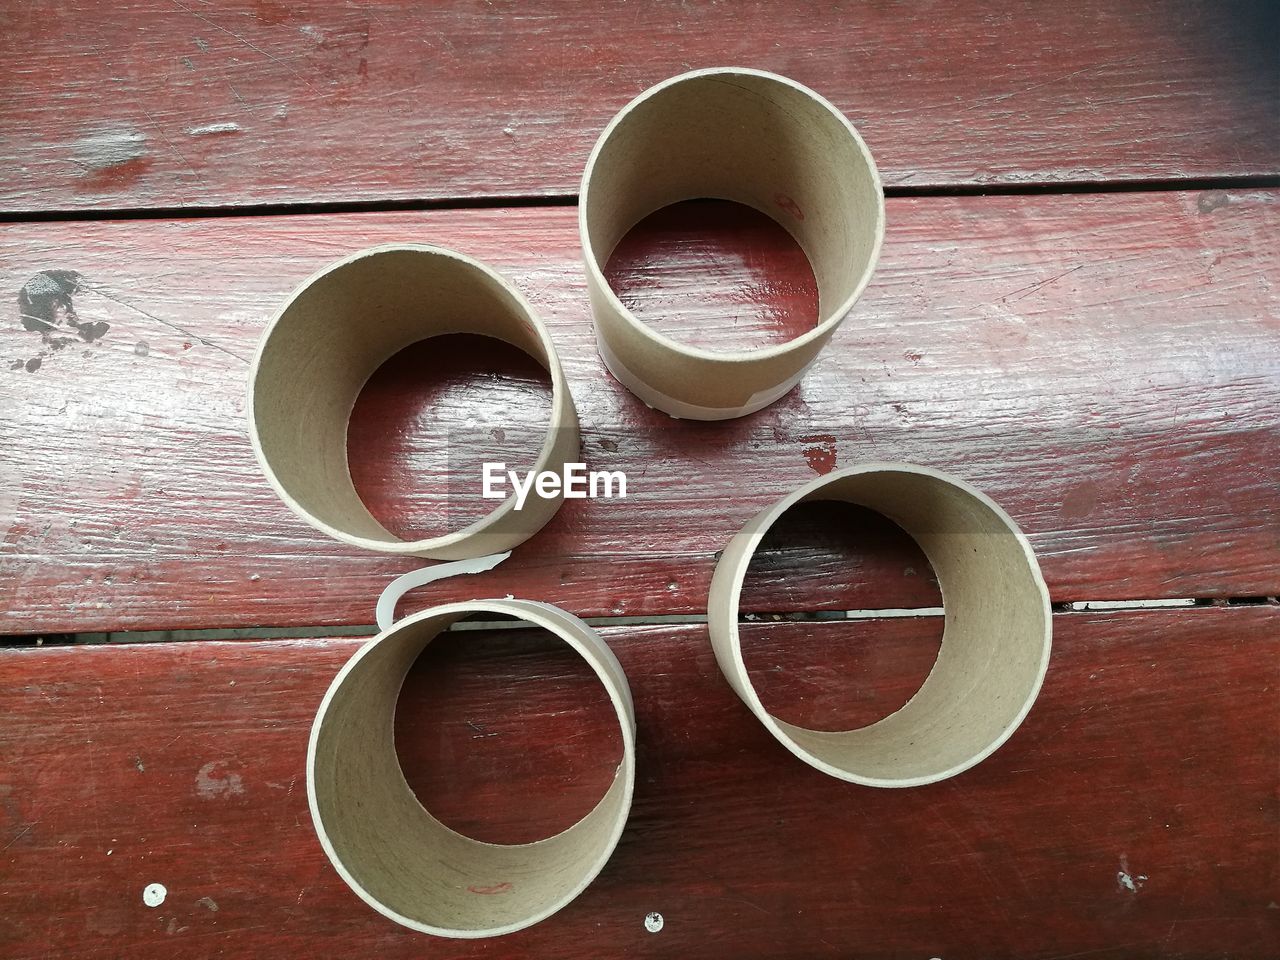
column 678, row 409
column 397, row 588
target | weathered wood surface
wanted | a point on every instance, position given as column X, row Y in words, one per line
column 1107, row 367
column 167, row 103
column 1134, row 814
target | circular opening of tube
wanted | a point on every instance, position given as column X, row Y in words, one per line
column 755, row 139
column 716, row 275
column 399, row 858
column 429, row 419
column 829, row 672
column 505, row 734
column 995, row 645
column 332, row 335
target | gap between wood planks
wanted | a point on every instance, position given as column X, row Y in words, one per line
column 369, row 630
column 296, row 208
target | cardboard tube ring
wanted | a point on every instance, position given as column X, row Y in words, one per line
column 996, row 639
column 400, row 859
column 329, row 338
column 751, row 137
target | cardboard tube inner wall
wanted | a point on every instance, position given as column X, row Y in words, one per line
column 330, row 337
column 761, row 140
column 995, row 644
column 400, row 859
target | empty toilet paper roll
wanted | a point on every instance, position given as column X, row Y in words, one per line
column 751, row 137
column 400, row 859
column 995, row 644
column 330, row 337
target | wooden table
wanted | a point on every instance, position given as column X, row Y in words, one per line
column 1077, row 309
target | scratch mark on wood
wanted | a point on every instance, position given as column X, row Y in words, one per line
column 239, row 38
column 21, row 833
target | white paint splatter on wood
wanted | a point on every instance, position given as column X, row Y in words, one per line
column 215, row 780
column 109, row 148
column 154, row 893
column 1127, row 881
column 229, row 126
column 653, row 922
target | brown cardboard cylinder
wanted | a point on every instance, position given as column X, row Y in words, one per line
column 329, row 338
column 758, row 139
column 394, row 854
column 995, row 644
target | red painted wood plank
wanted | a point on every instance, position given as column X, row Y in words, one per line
column 1106, row 367
column 1134, row 813
column 164, row 103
